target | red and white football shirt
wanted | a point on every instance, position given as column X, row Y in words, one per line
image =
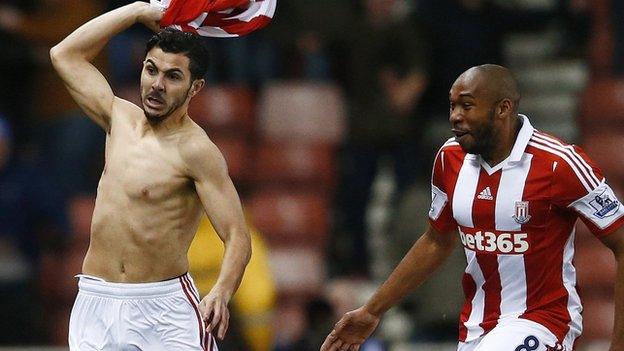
column 516, row 222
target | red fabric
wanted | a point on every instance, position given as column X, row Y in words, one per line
column 184, row 11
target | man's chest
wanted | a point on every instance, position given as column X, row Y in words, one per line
column 145, row 169
column 510, row 199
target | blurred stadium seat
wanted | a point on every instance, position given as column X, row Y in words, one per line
column 602, row 148
column 288, row 217
column 302, row 112
column 298, row 271
column 602, row 105
column 237, row 153
column 601, row 40
column 304, row 165
column 595, row 266
column 221, row 108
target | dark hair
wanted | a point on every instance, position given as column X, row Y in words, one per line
column 175, row 41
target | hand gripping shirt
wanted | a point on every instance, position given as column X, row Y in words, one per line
column 516, row 222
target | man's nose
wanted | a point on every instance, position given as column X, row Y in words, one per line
column 455, row 115
column 158, row 83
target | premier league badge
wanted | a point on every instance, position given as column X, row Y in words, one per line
column 522, row 215
column 604, row 205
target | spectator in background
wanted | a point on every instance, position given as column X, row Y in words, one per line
column 126, row 51
column 308, row 33
column 69, row 142
column 320, row 316
column 467, row 33
column 17, row 65
column 617, row 13
column 254, row 301
column 386, row 71
column 32, row 219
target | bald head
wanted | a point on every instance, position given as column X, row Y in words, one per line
column 493, row 82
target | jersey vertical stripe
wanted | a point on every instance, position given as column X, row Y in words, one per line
column 482, row 218
column 574, row 300
column 463, row 197
column 473, row 323
column 511, row 267
column 465, row 190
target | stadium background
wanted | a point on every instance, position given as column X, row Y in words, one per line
column 281, row 104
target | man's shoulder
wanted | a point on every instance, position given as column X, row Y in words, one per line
column 194, row 145
column 452, row 146
column 125, row 110
column 547, row 146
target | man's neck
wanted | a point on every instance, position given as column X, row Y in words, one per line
column 506, row 141
column 170, row 124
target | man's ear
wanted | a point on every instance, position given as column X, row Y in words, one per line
column 505, row 107
column 197, row 85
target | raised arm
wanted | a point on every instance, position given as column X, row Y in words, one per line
column 72, row 57
column 427, row 254
column 222, row 205
column 615, row 241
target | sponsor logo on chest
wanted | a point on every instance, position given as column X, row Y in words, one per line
column 494, row 242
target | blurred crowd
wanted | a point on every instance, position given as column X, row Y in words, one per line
column 360, row 82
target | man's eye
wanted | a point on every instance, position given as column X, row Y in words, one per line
column 150, row 70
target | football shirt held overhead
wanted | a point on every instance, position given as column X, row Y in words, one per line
column 216, row 18
column 516, row 223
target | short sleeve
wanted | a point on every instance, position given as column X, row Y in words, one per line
column 440, row 214
column 579, row 186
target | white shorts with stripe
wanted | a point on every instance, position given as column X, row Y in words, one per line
column 159, row 316
column 515, row 335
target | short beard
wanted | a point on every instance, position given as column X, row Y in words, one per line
column 157, row 119
column 485, row 138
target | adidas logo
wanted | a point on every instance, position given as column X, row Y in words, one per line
column 485, row 194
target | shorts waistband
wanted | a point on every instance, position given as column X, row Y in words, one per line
column 98, row 286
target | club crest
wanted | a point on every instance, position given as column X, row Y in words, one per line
column 522, row 215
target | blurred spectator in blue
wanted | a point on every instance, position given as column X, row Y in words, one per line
column 617, row 14
column 575, row 18
column 70, row 144
column 320, row 318
column 17, row 66
column 466, row 33
column 126, row 51
column 386, row 71
column 42, row 25
column 307, row 34
column 32, row 220
column 249, row 60
column 72, row 153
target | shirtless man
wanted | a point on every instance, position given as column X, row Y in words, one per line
column 161, row 172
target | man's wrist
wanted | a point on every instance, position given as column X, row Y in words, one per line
column 374, row 308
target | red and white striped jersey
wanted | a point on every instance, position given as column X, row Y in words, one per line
column 516, row 223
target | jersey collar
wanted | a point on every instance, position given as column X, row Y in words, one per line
column 522, row 140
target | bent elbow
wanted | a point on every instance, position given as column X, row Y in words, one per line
column 55, row 55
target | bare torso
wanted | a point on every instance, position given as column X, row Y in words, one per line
column 147, row 210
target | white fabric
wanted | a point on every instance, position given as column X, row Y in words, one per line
column 136, row 317
column 515, row 335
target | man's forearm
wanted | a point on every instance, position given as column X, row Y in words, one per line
column 235, row 259
column 427, row 254
column 90, row 38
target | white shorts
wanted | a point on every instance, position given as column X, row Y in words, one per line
column 515, row 335
column 160, row 316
